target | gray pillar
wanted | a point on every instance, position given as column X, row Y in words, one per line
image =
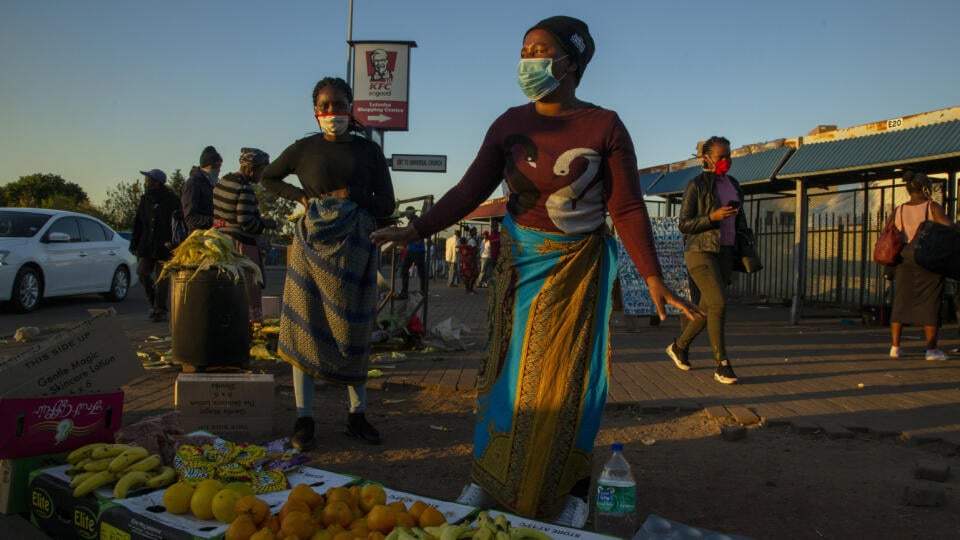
column 799, row 251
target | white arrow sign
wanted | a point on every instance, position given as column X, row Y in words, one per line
column 379, row 118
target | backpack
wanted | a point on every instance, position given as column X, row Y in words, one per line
column 178, row 228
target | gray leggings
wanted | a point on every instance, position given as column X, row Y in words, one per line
column 711, row 274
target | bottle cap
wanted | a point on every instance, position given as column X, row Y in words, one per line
column 617, row 447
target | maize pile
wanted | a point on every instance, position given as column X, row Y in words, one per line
column 211, row 250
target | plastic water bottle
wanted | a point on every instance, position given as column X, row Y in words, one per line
column 616, row 508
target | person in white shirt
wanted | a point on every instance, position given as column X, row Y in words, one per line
column 486, row 266
column 452, row 258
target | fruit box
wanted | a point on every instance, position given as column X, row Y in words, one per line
column 54, row 509
column 15, row 480
column 92, row 357
column 37, row 426
column 454, row 512
column 554, row 531
column 145, row 518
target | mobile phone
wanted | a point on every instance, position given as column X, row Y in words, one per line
column 734, row 204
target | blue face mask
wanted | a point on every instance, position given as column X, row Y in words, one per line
column 535, row 76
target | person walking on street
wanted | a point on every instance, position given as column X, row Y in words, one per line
column 197, row 195
column 467, row 252
column 918, row 292
column 543, row 383
column 711, row 221
column 330, row 292
column 485, row 266
column 237, row 214
column 452, row 257
column 152, row 240
column 415, row 255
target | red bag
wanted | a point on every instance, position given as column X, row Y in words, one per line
column 889, row 244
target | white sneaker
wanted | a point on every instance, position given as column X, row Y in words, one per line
column 894, row 352
column 935, row 354
column 574, row 513
column 474, row 495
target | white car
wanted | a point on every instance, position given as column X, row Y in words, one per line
column 45, row 253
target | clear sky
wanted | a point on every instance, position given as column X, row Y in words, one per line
column 96, row 91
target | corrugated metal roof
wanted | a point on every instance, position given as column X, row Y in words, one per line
column 488, row 209
column 647, row 180
column 883, row 149
column 759, row 167
column 675, row 182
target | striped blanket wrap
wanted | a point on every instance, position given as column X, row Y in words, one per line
column 329, row 296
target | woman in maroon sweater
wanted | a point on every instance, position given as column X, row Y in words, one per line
column 543, row 385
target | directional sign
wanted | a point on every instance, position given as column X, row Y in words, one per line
column 381, row 83
column 418, row 163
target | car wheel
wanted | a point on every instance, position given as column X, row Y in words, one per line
column 27, row 288
column 119, row 285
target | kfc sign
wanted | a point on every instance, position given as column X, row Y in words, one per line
column 381, row 81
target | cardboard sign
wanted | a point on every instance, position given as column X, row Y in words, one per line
column 35, row 426
column 237, row 407
column 93, row 357
column 554, row 531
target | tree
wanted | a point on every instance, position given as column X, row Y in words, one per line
column 44, row 191
column 276, row 207
column 120, row 207
column 176, row 182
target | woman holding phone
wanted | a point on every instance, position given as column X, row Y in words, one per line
column 710, row 219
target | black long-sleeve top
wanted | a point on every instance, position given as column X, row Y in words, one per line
column 323, row 166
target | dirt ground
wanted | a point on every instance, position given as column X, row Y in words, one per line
column 774, row 484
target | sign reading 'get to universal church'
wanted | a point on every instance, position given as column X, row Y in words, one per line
column 381, row 83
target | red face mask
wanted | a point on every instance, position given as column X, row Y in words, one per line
column 722, row 166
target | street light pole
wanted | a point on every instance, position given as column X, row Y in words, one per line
column 349, row 39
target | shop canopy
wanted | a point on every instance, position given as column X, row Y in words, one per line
column 492, row 208
column 934, row 147
column 749, row 169
column 647, row 180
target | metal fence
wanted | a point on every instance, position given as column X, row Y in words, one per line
column 839, row 267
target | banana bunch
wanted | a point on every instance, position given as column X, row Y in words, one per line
column 487, row 528
column 211, row 250
column 127, row 467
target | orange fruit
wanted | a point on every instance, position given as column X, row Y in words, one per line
column 321, row 534
column 355, row 493
column 381, row 518
column 398, row 506
column 263, row 534
column 341, row 494
column 272, row 522
column 359, row 527
column 298, row 524
column 371, row 495
column 416, row 509
column 293, row 506
column 343, row 535
column 375, row 536
column 306, row 494
column 336, row 513
column 431, row 517
column 256, row 508
column 406, row 521
column 241, row 528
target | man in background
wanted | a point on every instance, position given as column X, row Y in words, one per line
column 453, row 259
column 152, row 239
column 197, row 195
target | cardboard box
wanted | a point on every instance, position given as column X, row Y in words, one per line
column 555, row 531
column 237, row 407
column 93, row 357
column 454, row 512
column 144, row 518
column 36, row 426
column 54, row 509
column 15, row 480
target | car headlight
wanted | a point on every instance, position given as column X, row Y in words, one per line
column 3, row 257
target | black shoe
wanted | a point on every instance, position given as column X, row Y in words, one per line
column 679, row 356
column 158, row 315
column 359, row 428
column 303, row 430
column 725, row 373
